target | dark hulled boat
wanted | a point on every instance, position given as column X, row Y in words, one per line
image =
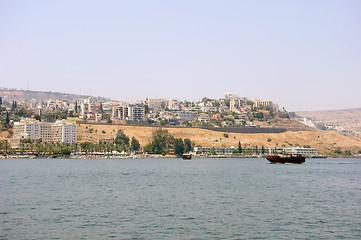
column 286, row 158
column 187, row 156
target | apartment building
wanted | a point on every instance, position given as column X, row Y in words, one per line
column 174, row 104
column 136, row 113
column 60, row 131
column 90, row 108
column 129, row 113
column 236, row 104
column 120, row 112
column 157, row 104
column 27, row 128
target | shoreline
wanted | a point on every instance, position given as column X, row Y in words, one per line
column 141, row 156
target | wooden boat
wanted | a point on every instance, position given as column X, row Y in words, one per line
column 286, row 158
column 187, row 156
column 319, row 156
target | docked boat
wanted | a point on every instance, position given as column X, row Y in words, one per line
column 286, row 158
column 319, row 156
column 186, row 156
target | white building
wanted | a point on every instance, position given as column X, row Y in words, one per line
column 136, row 113
column 187, row 115
column 27, row 128
column 60, row 131
column 174, row 104
column 294, row 150
column 209, row 109
column 218, row 150
column 259, row 103
column 157, row 104
column 120, row 112
column 129, row 113
column 89, row 108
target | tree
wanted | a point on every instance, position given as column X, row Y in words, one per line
column 37, row 117
column 101, row 108
column 338, row 150
column 258, row 115
column 148, row 148
column 86, row 146
column 122, row 139
column 205, row 99
column 7, row 119
column 188, row 145
column 162, row 141
column 178, row 146
column 135, row 144
column 240, row 150
column 262, row 150
column 212, row 151
column 14, row 105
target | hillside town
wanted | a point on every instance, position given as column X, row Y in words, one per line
column 39, row 121
column 231, row 110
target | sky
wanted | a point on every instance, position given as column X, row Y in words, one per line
column 303, row 55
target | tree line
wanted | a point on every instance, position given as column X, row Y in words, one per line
column 162, row 143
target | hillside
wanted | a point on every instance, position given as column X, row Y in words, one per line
column 322, row 140
column 290, row 124
column 26, row 95
column 349, row 119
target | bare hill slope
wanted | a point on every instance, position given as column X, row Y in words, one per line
column 322, row 140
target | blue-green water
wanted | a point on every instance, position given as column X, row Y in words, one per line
column 176, row 199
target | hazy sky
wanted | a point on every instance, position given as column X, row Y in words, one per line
column 304, row 55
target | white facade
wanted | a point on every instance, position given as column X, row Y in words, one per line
column 187, row 115
column 174, row 104
column 130, row 113
column 258, row 103
column 209, row 109
column 301, row 150
column 60, row 131
column 136, row 113
column 27, row 129
column 218, row 150
column 157, row 104
column 120, row 112
column 294, row 150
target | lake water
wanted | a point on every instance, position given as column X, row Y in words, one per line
column 177, row 199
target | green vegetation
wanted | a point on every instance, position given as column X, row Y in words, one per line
column 135, row 146
column 212, row 151
column 240, row 150
column 164, row 143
